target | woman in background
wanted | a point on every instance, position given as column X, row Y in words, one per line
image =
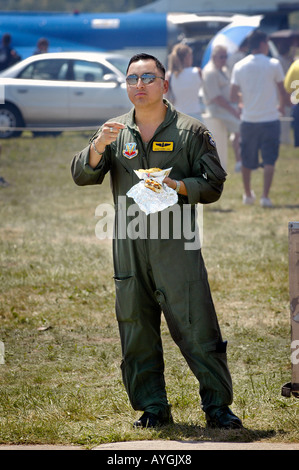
column 185, row 81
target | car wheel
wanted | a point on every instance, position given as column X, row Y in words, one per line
column 10, row 118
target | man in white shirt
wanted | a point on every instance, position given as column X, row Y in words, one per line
column 255, row 80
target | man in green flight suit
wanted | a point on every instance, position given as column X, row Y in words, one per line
column 161, row 274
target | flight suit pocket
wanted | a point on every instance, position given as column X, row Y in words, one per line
column 126, row 304
column 213, row 169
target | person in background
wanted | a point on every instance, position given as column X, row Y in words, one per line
column 285, row 55
column 216, row 91
column 185, row 81
column 286, row 58
column 8, row 56
column 259, row 80
column 233, row 58
column 42, row 46
column 291, row 85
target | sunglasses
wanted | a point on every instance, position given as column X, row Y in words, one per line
column 146, row 79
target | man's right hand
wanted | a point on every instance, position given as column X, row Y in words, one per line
column 108, row 134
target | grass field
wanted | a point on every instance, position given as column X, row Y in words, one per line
column 61, row 382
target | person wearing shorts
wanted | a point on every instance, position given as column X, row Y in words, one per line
column 260, row 138
column 257, row 78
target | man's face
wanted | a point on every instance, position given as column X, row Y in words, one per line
column 220, row 58
column 142, row 94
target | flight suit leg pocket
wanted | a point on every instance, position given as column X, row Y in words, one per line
column 126, row 298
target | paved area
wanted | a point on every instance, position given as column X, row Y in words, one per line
column 195, row 445
column 38, row 447
column 158, row 445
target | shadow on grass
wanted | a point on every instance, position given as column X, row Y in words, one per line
column 275, row 206
column 195, row 433
column 217, row 209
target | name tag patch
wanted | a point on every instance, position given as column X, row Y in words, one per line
column 162, row 146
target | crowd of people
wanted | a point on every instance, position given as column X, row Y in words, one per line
column 222, row 97
column 248, row 100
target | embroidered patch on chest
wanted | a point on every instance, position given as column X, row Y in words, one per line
column 162, row 146
column 130, row 150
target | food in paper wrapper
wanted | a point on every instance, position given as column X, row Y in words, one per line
column 153, row 185
column 150, row 193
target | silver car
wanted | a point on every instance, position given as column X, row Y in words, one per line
column 56, row 91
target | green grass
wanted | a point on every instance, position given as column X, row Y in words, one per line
column 61, row 382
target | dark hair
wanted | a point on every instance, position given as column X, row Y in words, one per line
column 256, row 38
column 43, row 42
column 6, row 39
column 144, row 56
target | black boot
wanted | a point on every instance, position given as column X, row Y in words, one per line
column 151, row 420
column 223, row 418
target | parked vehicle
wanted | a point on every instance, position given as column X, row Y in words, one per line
column 62, row 90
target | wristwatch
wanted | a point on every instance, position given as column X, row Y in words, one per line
column 178, row 185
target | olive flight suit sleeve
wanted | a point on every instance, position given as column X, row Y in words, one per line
column 205, row 185
column 83, row 174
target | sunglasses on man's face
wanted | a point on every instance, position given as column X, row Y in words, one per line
column 146, row 78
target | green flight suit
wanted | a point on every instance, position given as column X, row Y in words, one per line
column 160, row 274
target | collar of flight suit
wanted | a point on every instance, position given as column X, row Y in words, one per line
column 170, row 116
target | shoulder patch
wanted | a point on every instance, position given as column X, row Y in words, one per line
column 209, row 139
